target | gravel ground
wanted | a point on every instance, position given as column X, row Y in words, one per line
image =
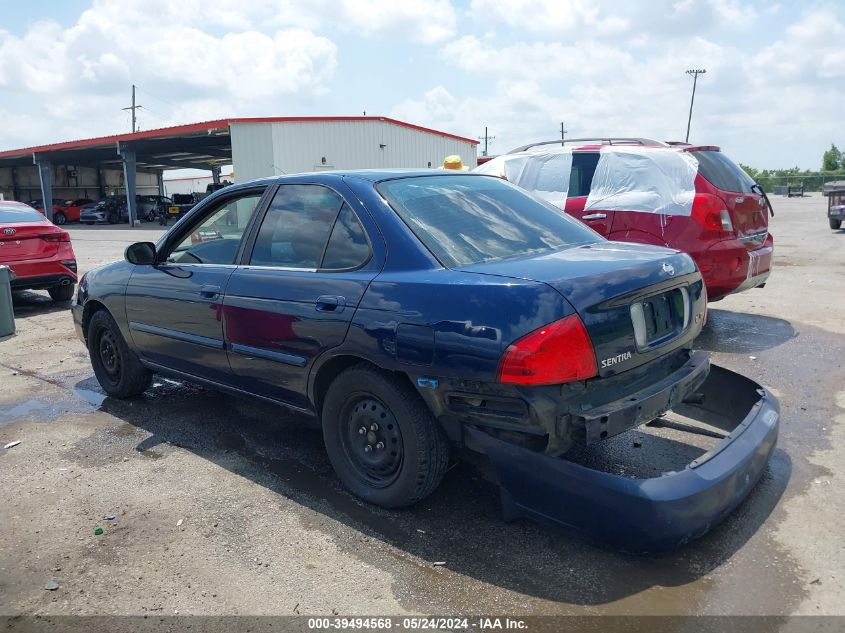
column 225, row 506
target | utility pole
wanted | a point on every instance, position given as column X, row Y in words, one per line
column 133, row 108
column 563, row 132
column 695, row 73
column 486, row 138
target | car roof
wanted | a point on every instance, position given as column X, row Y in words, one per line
column 14, row 204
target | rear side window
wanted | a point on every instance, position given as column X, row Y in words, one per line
column 17, row 216
column 310, row 227
column 348, row 246
column 722, row 172
column 581, row 176
column 467, row 220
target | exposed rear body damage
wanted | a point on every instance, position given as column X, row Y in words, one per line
column 658, row 513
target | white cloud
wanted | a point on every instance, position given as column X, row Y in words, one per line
column 81, row 74
column 750, row 104
column 426, row 21
column 558, row 16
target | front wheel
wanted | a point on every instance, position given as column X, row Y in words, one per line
column 381, row 438
column 59, row 218
column 117, row 368
column 834, row 224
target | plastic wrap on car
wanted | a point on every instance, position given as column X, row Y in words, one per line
column 550, row 170
column 645, row 180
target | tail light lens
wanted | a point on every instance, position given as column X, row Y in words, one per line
column 555, row 353
column 56, row 237
column 710, row 211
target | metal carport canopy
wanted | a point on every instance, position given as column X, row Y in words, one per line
column 204, row 145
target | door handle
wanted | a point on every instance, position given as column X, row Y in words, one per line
column 209, row 292
column 595, row 216
column 330, row 303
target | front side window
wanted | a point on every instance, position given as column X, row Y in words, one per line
column 296, row 227
column 466, row 220
column 217, row 238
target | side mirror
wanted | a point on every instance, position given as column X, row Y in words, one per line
column 141, row 253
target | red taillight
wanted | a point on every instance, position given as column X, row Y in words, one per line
column 56, row 237
column 558, row 352
column 711, row 212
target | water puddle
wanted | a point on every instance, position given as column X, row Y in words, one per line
column 43, row 410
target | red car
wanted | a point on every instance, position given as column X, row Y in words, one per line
column 38, row 252
column 69, row 210
column 690, row 198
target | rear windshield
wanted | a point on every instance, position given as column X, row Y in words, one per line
column 722, row 172
column 467, row 220
column 10, row 215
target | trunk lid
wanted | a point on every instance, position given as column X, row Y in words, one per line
column 602, row 281
column 21, row 241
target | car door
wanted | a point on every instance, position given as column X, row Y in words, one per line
column 310, row 262
column 174, row 307
column 580, row 180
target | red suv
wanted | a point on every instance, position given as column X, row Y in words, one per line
column 38, row 252
column 690, row 198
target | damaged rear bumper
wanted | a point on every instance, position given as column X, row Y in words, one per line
column 657, row 513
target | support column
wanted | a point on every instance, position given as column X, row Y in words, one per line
column 129, row 173
column 45, row 176
column 215, row 174
column 15, row 194
column 160, row 180
column 100, row 187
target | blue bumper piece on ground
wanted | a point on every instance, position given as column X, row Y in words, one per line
column 659, row 513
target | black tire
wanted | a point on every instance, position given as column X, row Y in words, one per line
column 59, row 218
column 88, row 223
column 61, row 293
column 117, row 368
column 414, row 452
column 834, row 224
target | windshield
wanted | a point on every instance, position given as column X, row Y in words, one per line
column 9, row 215
column 467, row 220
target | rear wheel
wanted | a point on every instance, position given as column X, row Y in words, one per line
column 834, row 224
column 61, row 293
column 381, row 438
column 151, row 215
column 117, row 368
column 59, row 218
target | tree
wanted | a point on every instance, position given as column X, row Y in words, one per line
column 832, row 159
column 750, row 171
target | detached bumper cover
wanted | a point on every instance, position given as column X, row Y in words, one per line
column 652, row 514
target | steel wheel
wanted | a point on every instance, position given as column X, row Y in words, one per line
column 372, row 440
column 110, row 356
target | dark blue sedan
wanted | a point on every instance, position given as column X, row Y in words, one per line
column 412, row 312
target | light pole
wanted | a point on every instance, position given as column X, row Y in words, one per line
column 695, row 73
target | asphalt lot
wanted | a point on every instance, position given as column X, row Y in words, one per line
column 224, row 506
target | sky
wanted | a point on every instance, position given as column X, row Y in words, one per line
column 772, row 96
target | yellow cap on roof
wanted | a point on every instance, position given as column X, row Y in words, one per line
column 454, row 162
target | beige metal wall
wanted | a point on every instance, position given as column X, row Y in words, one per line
column 66, row 185
column 270, row 149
